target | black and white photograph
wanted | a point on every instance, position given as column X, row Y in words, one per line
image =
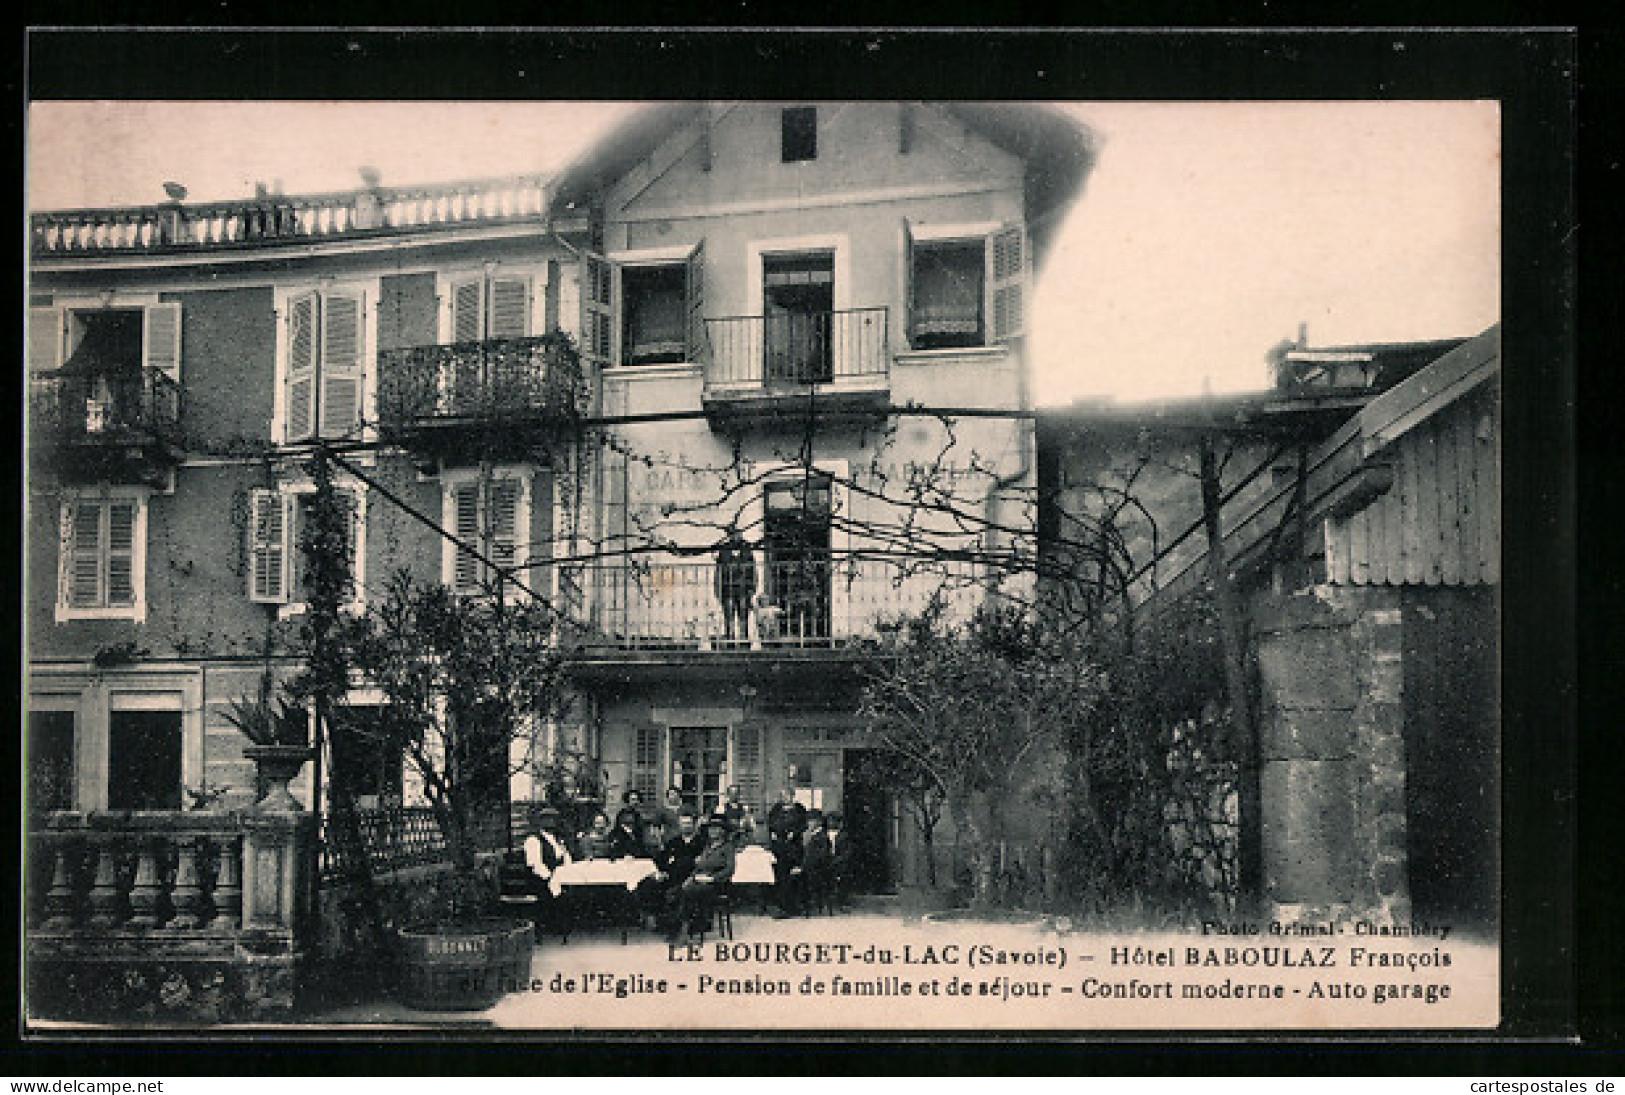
column 763, row 564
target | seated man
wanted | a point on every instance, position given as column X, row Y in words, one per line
column 657, row 894
column 736, row 816
column 713, row 868
column 545, row 852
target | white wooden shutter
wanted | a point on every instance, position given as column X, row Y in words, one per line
column 268, row 554
column 465, row 525
column 908, row 281
column 121, row 519
column 510, row 308
column 646, row 762
column 468, row 310
column 83, row 540
column 695, row 295
column 597, row 309
column 342, row 343
column 503, row 503
column 746, row 768
column 44, row 339
column 161, row 339
column 1007, row 277
column 301, row 366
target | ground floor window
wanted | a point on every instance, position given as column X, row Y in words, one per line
column 50, row 760
column 144, row 760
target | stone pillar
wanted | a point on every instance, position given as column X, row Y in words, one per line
column 1332, row 752
column 276, row 886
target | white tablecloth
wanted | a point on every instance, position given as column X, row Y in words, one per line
column 753, row 865
column 601, row 872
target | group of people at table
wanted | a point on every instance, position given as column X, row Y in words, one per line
column 677, row 863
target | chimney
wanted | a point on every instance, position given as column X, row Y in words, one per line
column 1303, row 335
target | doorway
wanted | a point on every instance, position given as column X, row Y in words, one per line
column 798, row 294
column 698, row 756
column 868, row 822
column 796, row 536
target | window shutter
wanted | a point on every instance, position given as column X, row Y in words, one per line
column 747, row 765
column 646, row 762
column 510, row 308
column 121, row 553
column 502, row 519
column 908, row 281
column 465, row 525
column 695, row 294
column 598, row 308
column 84, row 541
column 301, row 367
column 268, row 577
column 1007, row 262
column 44, row 339
column 161, row 339
column 342, row 341
column 468, row 310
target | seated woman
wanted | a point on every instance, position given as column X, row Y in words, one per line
column 712, row 871
column 594, row 843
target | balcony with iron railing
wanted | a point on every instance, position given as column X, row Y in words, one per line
column 275, row 218
column 432, row 395
column 774, row 364
column 103, row 424
column 823, row 602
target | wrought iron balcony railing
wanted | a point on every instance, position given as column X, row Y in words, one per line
column 818, row 601
column 141, row 406
column 473, row 382
column 795, row 349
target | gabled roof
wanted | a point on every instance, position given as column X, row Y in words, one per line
column 1058, row 151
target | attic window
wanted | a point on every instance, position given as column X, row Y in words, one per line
column 799, row 133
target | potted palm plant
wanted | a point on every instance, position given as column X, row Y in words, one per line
column 278, row 729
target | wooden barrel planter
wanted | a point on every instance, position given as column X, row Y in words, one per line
column 464, row 968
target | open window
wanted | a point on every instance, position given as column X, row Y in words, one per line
column 645, row 307
column 112, row 367
column 654, row 318
column 798, row 297
column 966, row 286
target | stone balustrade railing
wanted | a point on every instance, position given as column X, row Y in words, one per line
column 181, row 903
column 279, row 218
column 182, row 872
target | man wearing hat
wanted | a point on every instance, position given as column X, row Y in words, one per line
column 713, row 869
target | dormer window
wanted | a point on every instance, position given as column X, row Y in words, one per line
column 799, row 133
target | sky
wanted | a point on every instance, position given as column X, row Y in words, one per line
column 1207, row 233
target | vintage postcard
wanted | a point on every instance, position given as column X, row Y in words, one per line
column 801, row 565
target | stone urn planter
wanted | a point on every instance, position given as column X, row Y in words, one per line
column 463, row 967
column 275, row 766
